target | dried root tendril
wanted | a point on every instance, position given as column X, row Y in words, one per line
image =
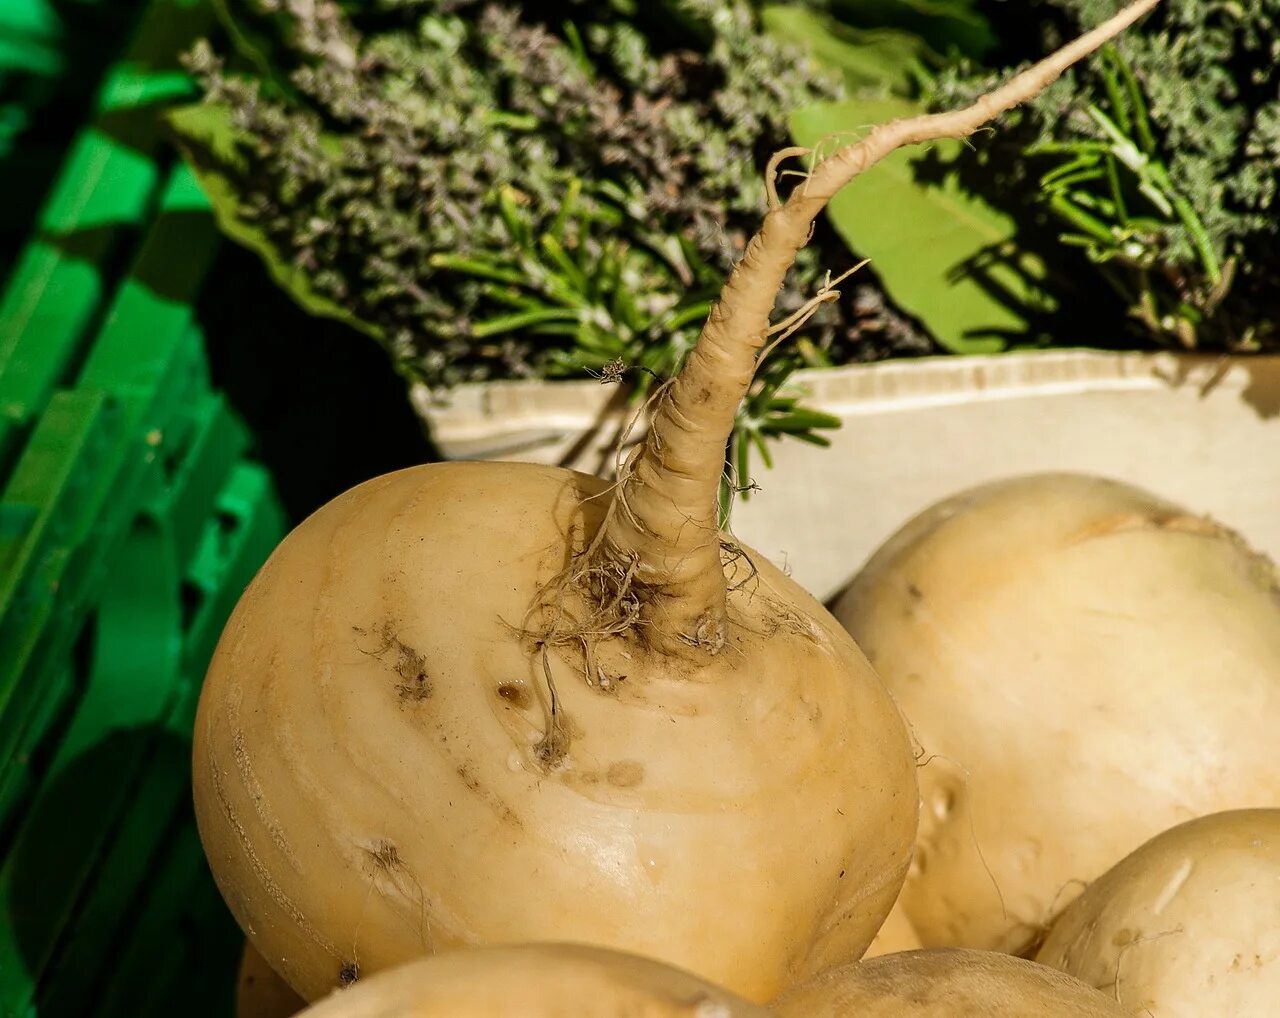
column 554, row 744
column 771, row 172
column 795, row 321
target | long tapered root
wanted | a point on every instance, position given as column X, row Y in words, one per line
column 667, row 537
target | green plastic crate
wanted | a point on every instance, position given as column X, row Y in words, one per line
column 130, row 521
column 52, row 57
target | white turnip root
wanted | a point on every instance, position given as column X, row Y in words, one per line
column 1188, row 926
column 260, row 993
column 382, row 771
column 534, row 981
column 1084, row 666
column 945, row 983
column 489, row 703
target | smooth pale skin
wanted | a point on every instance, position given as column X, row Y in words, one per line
column 534, row 981
column 1083, row 666
column 260, row 993
column 1188, row 926
column 897, row 934
column 368, row 788
column 945, row 983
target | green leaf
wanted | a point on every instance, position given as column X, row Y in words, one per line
column 478, row 268
column 210, row 143
column 942, row 253
column 866, row 58
column 499, row 324
column 948, row 26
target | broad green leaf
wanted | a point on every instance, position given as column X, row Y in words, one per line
column 210, row 144
column 947, row 26
column 884, row 57
column 942, row 254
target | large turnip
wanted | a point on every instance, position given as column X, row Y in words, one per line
column 534, row 981
column 1188, row 926
column 946, row 983
column 1084, row 665
column 485, row 703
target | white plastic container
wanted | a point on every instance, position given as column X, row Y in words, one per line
column 1202, row 431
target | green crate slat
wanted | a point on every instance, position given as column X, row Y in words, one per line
column 80, row 429
column 30, row 37
column 150, row 359
column 246, row 524
column 76, row 436
column 79, row 569
column 202, row 465
column 49, row 305
column 183, row 953
column 99, row 761
column 208, row 462
column 82, row 571
column 30, row 21
column 120, row 561
column 46, row 504
column 244, row 527
column 40, row 22
column 213, row 449
column 104, row 193
column 152, row 310
column 105, row 916
column 69, row 504
column 57, row 683
column 52, row 58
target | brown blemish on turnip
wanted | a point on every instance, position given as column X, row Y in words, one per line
column 407, row 663
column 469, row 779
column 625, row 773
column 505, row 812
column 1174, row 520
column 386, row 856
column 515, row 694
column 1260, row 569
column 417, row 690
column 349, row 973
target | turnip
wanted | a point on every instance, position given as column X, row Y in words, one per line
column 534, row 981
column 1188, row 926
column 260, row 993
column 896, row 934
column 946, row 983
column 474, row 703
column 1084, row 665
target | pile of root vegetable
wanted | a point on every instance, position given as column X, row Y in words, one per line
column 488, row 739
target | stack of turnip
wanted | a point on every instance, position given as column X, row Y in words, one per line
column 470, row 715
column 1086, row 668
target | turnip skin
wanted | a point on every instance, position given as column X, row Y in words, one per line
column 534, row 981
column 1187, row 926
column 945, row 983
column 260, row 993
column 896, row 935
column 750, row 819
column 1084, row 665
